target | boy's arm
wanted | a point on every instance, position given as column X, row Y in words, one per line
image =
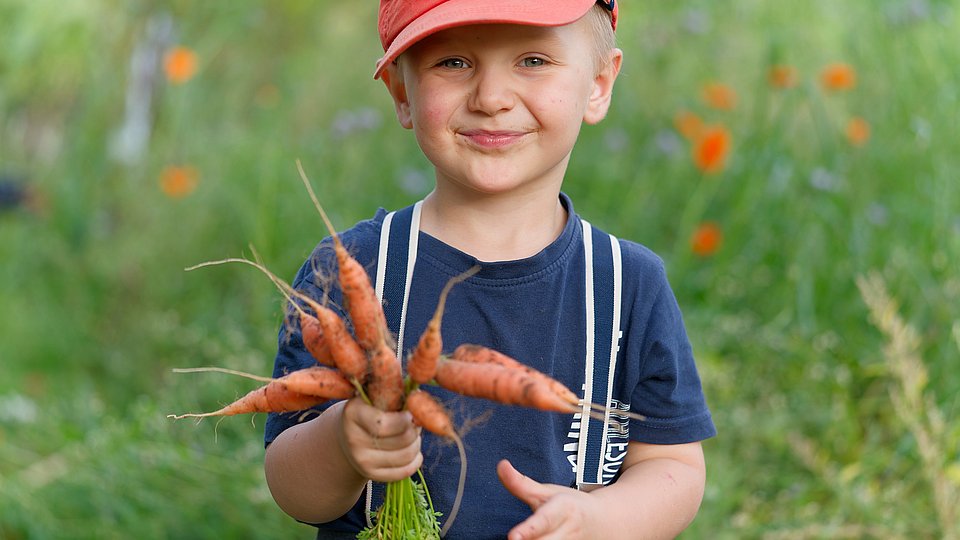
column 316, row 470
column 657, row 496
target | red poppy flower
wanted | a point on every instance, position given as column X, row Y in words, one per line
column 706, row 239
column 711, row 148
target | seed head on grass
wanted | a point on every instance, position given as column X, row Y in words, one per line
column 912, row 403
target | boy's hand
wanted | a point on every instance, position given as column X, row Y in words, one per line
column 558, row 512
column 381, row 446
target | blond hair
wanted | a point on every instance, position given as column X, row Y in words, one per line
column 605, row 39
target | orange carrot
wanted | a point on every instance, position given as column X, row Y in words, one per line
column 429, row 413
column 422, row 364
column 360, row 298
column 275, row 396
column 319, row 381
column 314, row 341
column 385, row 386
column 500, row 384
column 347, row 354
column 485, row 355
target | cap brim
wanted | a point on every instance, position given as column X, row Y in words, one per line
column 455, row 13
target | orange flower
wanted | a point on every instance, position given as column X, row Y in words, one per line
column 711, row 148
column 838, row 76
column 706, row 240
column 858, row 131
column 180, row 64
column 688, row 124
column 177, row 182
column 783, row 77
column 719, row 96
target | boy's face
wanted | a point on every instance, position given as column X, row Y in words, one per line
column 497, row 108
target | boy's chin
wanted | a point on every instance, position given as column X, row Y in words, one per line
column 502, row 178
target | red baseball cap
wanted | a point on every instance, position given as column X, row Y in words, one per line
column 404, row 22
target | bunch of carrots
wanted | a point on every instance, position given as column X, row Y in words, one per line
column 365, row 364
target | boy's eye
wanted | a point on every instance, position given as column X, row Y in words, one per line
column 532, row 61
column 453, row 63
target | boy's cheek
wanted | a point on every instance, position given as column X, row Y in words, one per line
column 430, row 116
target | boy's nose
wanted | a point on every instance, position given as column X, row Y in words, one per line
column 492, row 92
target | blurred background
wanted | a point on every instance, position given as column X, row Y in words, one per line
column 796, row 164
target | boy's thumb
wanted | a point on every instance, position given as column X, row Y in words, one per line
column 522, row 487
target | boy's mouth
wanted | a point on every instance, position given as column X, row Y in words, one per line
column 492, row 139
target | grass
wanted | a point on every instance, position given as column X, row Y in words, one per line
column 825, row 323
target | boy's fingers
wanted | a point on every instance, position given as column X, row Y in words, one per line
column 562, row 517
column 360, row 437
column 378, row 423
column 382, row 446
column 536, row 527
column 393, row 422
column 526, row 489
column 386, row 464
column 392, row 425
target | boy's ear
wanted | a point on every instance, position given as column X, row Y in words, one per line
column 393, row 80
column 603, row 88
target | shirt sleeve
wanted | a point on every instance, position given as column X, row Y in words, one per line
column 668, row 391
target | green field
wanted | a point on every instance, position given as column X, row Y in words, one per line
column 826, row 321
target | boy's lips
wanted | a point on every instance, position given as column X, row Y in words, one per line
column 492, row 138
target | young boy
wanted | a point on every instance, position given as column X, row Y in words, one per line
column 495, row 93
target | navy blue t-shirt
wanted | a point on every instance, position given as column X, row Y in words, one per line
column 533, row 310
